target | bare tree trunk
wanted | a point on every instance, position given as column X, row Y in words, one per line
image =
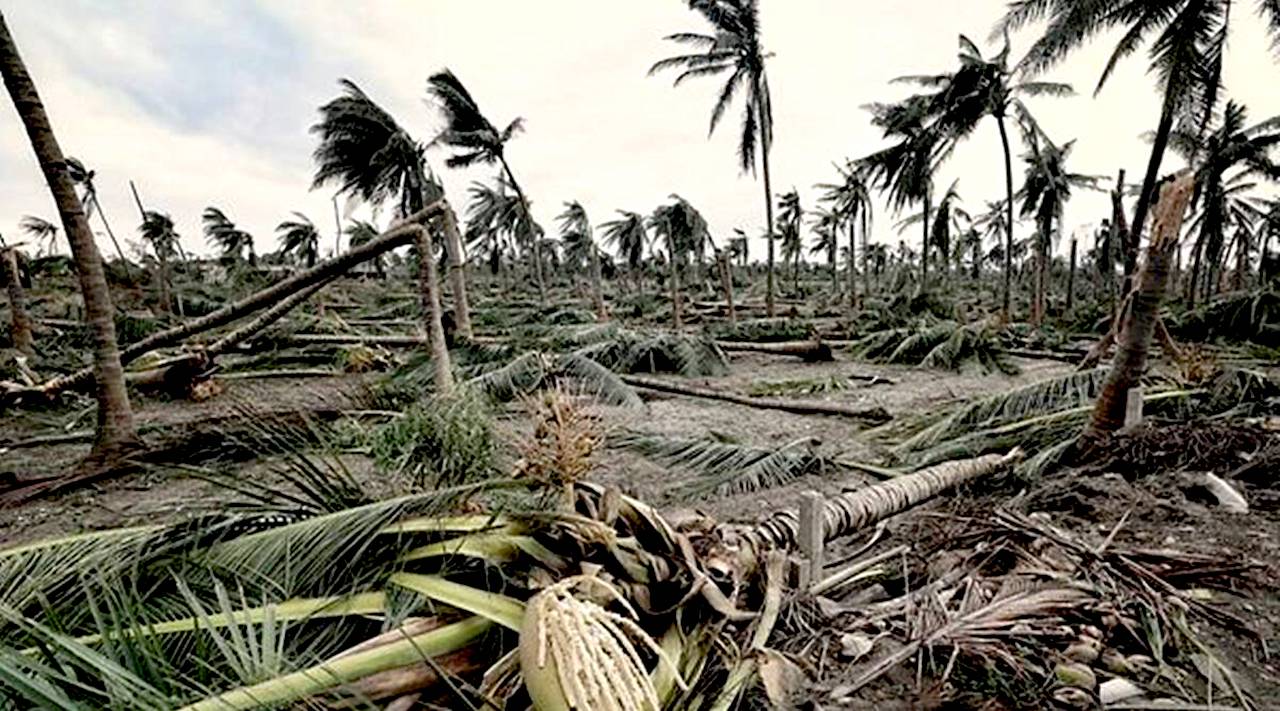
column 1240, row 279
column 924, row 246
column 1008, row 227
column 726, row 283
column 597, row 291
column 396, row 235
column 528, row 218
column 115, row 418
column 20, row 318
column 166, row 298
column 1144, row 310
column 457, row 273
column 1158, row 145
column 853, row 264
column 674, row 270
column 762, row 124
column 1071, row 276
column 430, row 286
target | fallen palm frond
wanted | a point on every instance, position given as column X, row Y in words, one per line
column 762, row 330
column 660, row 352
column 874, row 414
column 726, row 469
column 814, row 386
column 947, row 345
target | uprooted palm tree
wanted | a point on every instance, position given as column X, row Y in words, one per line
column 978, row 89
column 476, row 141
column 734, row 48
column 628, row 235
column 233, row 241
column 1230, row 146
column 850, row 200
column 1187, row 42
column 299, row 239
column 573, row 221
column 115, row 416
column 369, row 156
column 157, row 230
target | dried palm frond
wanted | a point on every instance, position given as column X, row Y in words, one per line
column 728, row 468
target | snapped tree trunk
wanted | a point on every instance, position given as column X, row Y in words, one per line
column 597, row 292
column 677, row 321
column 398, row 234
column 115, row 418
column 726, row 284
column 1158, row 145
column 20, row 318
column 1071, row 276
column 1006, row 293
column 166, row 297
column 429, row 284
column 1144, row 309
column 457, row 272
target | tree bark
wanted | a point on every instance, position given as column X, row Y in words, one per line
column 430, row 287
column 1140, row 321
column 398, row 234
column 457, row 272
column 726, row 284
column 813, row 351
column 763, row 126
column 1006, row 293
column 1158, row 145
column 924, row 250
column 20, row 318
column 115, row 417
column 597, row 291
column 853, row 264
column 1071, row 276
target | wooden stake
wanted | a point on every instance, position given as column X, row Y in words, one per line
column 811, row 535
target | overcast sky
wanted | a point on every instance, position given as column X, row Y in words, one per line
column 208, row 103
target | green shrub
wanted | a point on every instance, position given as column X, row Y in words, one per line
column 439, row 442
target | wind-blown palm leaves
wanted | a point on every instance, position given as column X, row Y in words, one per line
column 684, row 231
column 734, row 48
column 300, row 239
column 222, row 232
column 1045, row 192
column 42, row 230
column 627, row 235
column 850, row 201
column 1187, row 41
column 948, row 219
column 474, row 140
column 726, row 468
column 946, row 345
column 826, row 230
column 1230, row 145
column 980, row 88
column 580, row 247
column 788, row 230
column 158, row 231
column 360, row 232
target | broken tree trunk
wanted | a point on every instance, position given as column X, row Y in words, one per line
column 726, row 284
column 432, row 311
column 811, row 351
column 398, row 234
column 1144, row 310
column 801, row 407
column 457, row 271
column 20, row 318
column 340, row 339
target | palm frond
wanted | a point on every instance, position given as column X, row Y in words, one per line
column 598, row 381
column 726, row 469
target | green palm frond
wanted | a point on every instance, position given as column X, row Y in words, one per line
column 598, row 381
column 727, row 469
column 918, row 345
column 523, row 375
column 635, row 352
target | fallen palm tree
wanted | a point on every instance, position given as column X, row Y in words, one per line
column 811, row 351
column 873, row 414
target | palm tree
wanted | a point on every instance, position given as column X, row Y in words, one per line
column 368, row 155
column 41, row 230
column 233, row 241
column 947, row 218
column 826, row 226
column 850, row 199
column 905, row 169
column 1187, row 42
column 680, row 226
column 734, row 47
column 574, row 221
column 300, row 239
column 19, row 318
column 81, row 175
column 495, row 218
column 1229, row 144
column 158, row 231
column 978, row 89
column 360, row 232
column 788, row 230
column 476, row 141
column 627, row 236
column 115, row 417
column 739, row 248
column 1045, row 190
column 992, row 225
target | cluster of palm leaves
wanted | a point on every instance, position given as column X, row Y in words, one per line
column 945, row 345
column 234, row 242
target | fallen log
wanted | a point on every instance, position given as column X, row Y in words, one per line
column 872, row 415
column 812, row 351
column 339, row 339
column 398, row 234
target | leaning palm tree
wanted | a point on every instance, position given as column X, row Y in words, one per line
column 574, row 221
column 475, row 140
column 788, row 230
column 1045, row 191
column 368, row 155
column 826, row 227
column 628, row 235
column 300, row 239
column 42, row 231
column 947, row 220
column 734, row 48
column 978, row 89
column 1233, row 146
column 233, row 241
column 680, row 226
column 158, row 231
column 359, row 232
column 851, row 200
column 81, row 175
column 905, row 169
column 1187, row 43
column 115, row 417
